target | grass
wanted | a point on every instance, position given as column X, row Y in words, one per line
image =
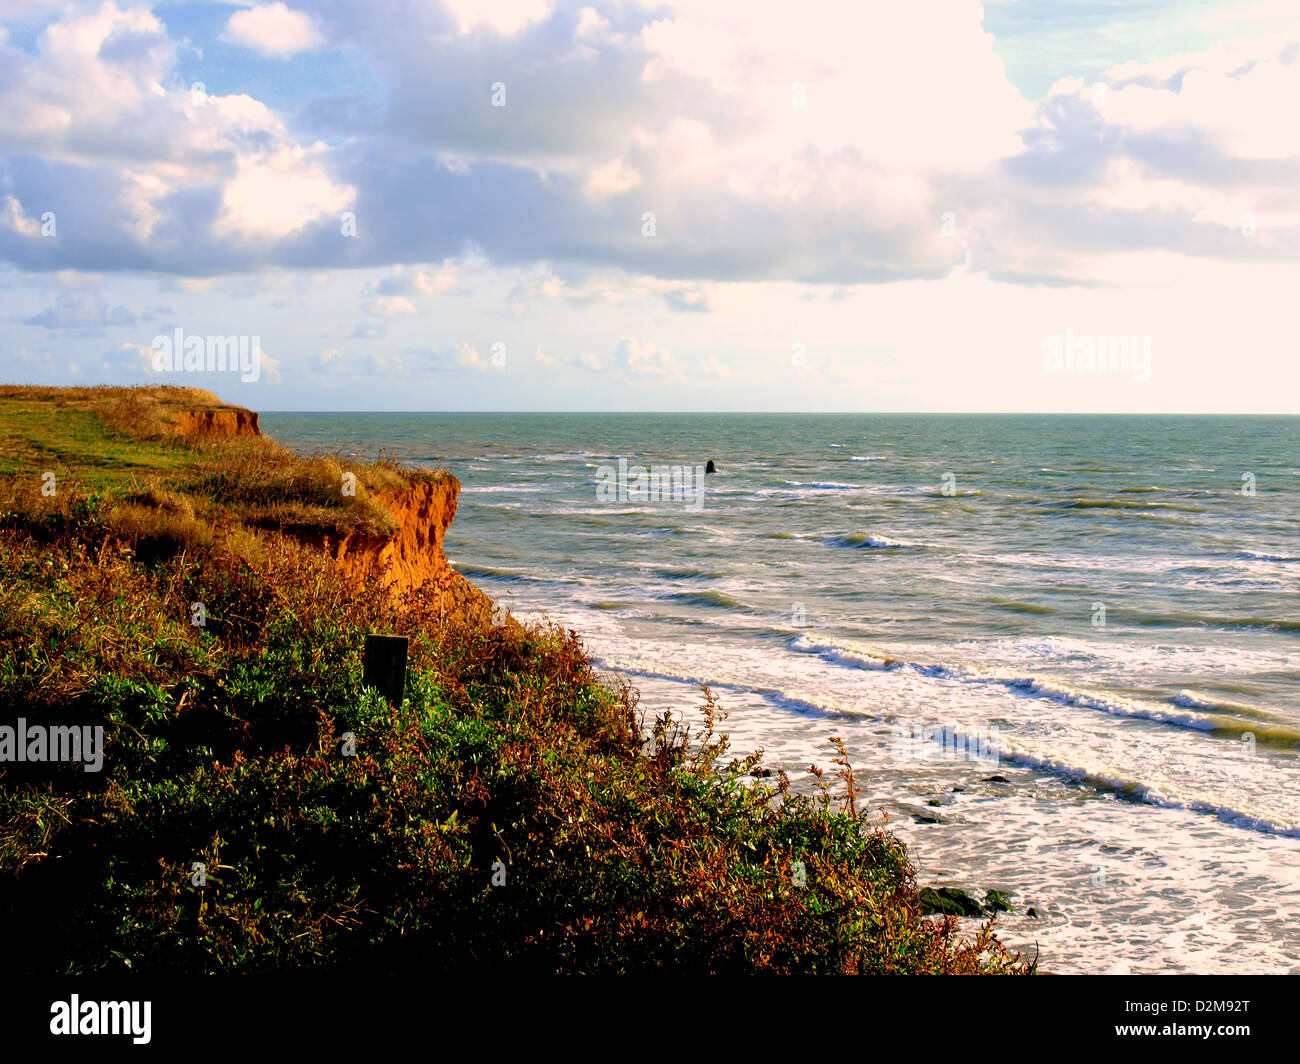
column 172, row 491
column 515, row 810
column 100, row 437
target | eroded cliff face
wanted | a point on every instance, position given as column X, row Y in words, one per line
column 409, row 560
column 227, row 422
column 413, row 558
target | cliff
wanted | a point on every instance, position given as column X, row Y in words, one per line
column 409, row 560
column 412, row 559
column 124, row 433
column 231, row 421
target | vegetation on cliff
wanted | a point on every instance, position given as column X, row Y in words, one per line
column 514, row 810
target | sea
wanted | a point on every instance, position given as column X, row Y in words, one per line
column 1063, row 651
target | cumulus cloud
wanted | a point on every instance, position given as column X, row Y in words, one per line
column 274, row 30
column 793, row 160
column 390, row 306
column 766, row 147
column 13, row 217
column 81, row 312
column 416, row 281
column 687, row 297
column 469, row 356
column 432, row 282
column 713, row 367
column 500, row 16
column 139, row 171
column 644, row 359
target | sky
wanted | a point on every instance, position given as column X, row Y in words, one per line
column 745, row 205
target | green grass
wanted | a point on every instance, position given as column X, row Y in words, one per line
column 171, row 492
column 77, row 446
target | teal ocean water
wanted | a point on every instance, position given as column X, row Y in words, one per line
column 1062, row 650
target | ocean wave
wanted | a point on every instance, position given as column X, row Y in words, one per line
column 1152, row 792
column 796, row 701
column 495, row 573
column 495, row 489
column 1197, row 620
column 1014, row 606
column 563, row 456
column 686, row 572
column 1123, row 504
column 792, row 490
column 711, row 599
column 1251, row 556
column 1192, row 700
column 1178, row 715
column 1075, row 768
column 863, row 540
column 845, row 654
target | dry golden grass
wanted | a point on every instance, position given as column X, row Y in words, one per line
column 143, row 412
column 197, row 490
column 103, row 395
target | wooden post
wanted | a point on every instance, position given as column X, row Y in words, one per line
column 384, row 666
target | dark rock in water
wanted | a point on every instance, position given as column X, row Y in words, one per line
column 933, row 801
column 996, row 779
column 958, row 790
column 996, row 901
column 710, row 468
column 1031, row 911
column 926, row 819
column 949, row 901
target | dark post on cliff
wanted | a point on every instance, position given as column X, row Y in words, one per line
column 384, row 666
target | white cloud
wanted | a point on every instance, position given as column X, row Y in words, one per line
column 614, row 178
column 274, row 30
column 470, row 357
column 713, row 367
column 275, row 193
column 141, row 357
column 644, row 359
column 501, row 16
column 432, row 282
column 13, row 217
column 771, row 204
column 391, row 307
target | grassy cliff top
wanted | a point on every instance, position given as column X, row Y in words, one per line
column 130, row 446
column 102, row 435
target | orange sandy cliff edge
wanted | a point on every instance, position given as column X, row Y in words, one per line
column 229, row 422
column 410, row 560
column 413, row 559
